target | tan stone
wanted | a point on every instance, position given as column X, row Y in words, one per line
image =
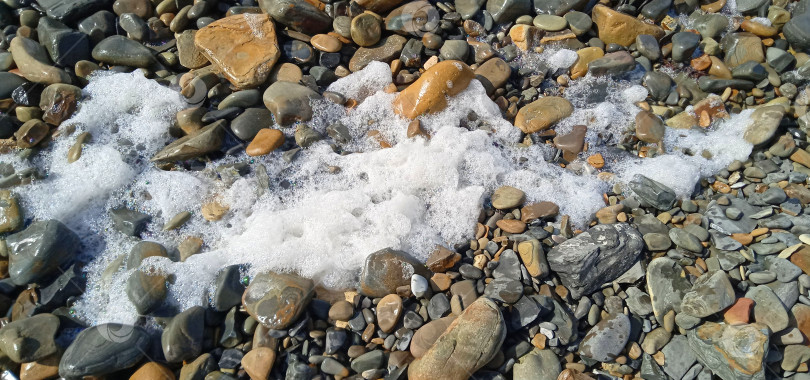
column 327, row 43
column 525, row 37
column 620, row 28
column 542, row 113
column 442, row 259
column 759, row 29
column 266, row 141
column 213, row 211
column 152, row 371
column 31, row 133
column 584, row 57
column 719, row 68
column 10, row 215
column 389, row 310
column 531, row 253
column 287, row 72
column 425, row 336
column 258, row 363
column 33, row 62
column 429, row 93
column 244, row 47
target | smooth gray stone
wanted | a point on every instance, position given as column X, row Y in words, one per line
column 119, row 50
column 8, row 82
column 797, row 32
column 683, row 45
column 68, row 11
column 468, row 8
column 228, row 289
column 658, row 83
column 129, row 222
column 666, row 286
column 39, row 250
column 30, row 339
column 289, row 102
column 679, row 357
column 718, row 85
column 656, row 9
column 298, row 15
column 750, row 71
column 104, row 349
column 648, row 46
column 615, row 63
column 98, row 26
column 504, row 11
column 249, row 123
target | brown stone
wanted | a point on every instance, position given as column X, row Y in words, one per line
column 341, row 311
column 719, row 69
column 761, row 30
column 31, row 133
column 189, row 246
column 386, row 51
column 415, row 129
column 45, row 368
column 542, row 113
column 326, row 43
column 244, row 47
column 366, row 29
column 10, row 215
column 258, row 362
column 276, row 300
column 389, row 310
column 596, row 160
column 152, row 371
column 442, row 259
column 539, row 210
column 740, row 312
column 378, row 6
column 287, row 72
column 511, row 226
column 572, row 142
column 584, row 57
column 469, row 343
column 429, row 93
column 801, row 156
column 649, row 127
column 190, row 55
column 266, row 141
column 190, row 119
column 440, row 282
column 58, row 102
column 701, row 63
column 798, row 191
column 425, row 336
column 620, row 28
column 493, row 74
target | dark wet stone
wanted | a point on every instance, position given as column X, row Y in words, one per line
column 119, row 50
column 386, row 270
column 68, row 11
column 276, row 300
column 652, row 193
column 129, row 222
column 615, row 63
column 182, row 339
column 298, row 15
column 39, row 250
column 104, row 349
column 228, row 289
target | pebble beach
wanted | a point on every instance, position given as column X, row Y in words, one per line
column 399, row 189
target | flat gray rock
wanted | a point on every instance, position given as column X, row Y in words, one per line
column 710, row 294
column 605, row 341
column 39, row 250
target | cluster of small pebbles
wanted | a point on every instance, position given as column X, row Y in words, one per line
column 655, row 287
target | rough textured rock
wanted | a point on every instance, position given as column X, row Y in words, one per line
column 596, row 256
column 666, row 285
column 710, row 294
column 244, row 47
column 605, row 341
column 469, row 343
column 732, row 352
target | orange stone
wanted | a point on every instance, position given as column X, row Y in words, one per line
column 743, row 239
column 616, row 27
column 244, row 47
column 415, row 129
column 429, row 93
column 326, row 43
column 266, row 141
column 45, row 368
column 597, row 161
column 525, row 37
column 740, row 312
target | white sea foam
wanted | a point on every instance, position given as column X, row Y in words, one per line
column 314, row 219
